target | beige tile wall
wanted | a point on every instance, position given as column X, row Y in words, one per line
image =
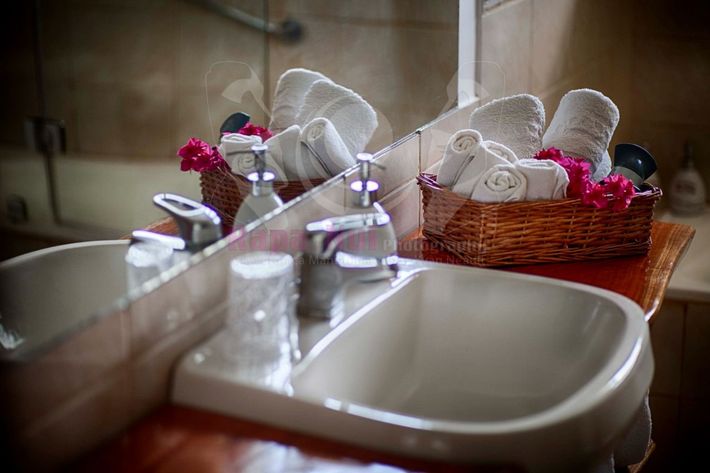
column 134, row 80
column 670, row 94
column 548, row 47
column 400, row 55
column 652, row 58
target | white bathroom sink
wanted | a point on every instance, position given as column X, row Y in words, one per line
column 47, row 294
column 461, row 365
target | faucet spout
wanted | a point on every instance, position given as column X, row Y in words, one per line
column 341, row 250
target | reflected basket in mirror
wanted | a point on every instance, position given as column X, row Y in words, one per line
column 224, row 191
column 544, row 231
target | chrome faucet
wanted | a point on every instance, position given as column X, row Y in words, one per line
column 198, row 225
column 339, row 250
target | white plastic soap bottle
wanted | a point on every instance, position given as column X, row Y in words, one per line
column 687, row 192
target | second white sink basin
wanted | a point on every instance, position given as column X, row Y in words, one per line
column 462, row 365
column 47, row 294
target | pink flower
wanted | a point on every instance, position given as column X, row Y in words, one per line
column 578, row 171
column 553, row 154
column 260, row 131
column 621, row 191
column 595, row 196
column 193, row 147
column 197, row 155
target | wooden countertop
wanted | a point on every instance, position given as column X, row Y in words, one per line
column 175, row 439
column 643, row 279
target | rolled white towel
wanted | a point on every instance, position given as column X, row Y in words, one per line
column 460, row 149
column 501, row 183
column 290, row 91
column 583, row 126
column 292, row 159
column 487, row 155
column 324, row 143
column 633, row 448
column 235, row 148
column 284, row 148
column 517, row 122
column 546, row 180
column 353, row 118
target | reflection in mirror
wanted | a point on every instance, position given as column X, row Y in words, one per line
column 102, row 95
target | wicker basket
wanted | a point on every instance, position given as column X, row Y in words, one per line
column 549, row 231
column 224, row 191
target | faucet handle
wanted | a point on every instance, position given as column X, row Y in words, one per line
column 325, row 236
column 198, row 225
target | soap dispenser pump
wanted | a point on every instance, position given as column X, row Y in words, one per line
column 687, row 193
column 365, row 189
column 262, row 199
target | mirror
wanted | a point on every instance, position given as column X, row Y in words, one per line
column 101, row 95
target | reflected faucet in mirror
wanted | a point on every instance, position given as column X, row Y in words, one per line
column 152, row 253
column 198, row 225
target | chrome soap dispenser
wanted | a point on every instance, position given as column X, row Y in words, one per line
column 364, row 201
column 262, row 199
column 365, row 189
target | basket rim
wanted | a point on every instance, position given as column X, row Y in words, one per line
column 428, row 181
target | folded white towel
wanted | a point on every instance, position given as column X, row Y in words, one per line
column 501, row 183
column 546, row 180
column 517, row 122
column 291, row 89
column 284, row 148
column 292, row 158
column 582, row 127
column 353, row 118
column 324, row 143
column 235, row 148
column 633, row 448
column 487, row 155
column 460, row 149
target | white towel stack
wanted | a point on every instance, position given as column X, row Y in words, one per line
column 353, row 118
column 320, row 126
column 517, row 122
column 460, row 149
column 284, row 148
column 235, row 148
column 291, row 89
column 501, row 183
column 487, row 155
column 583, row 125
column 546, row 179
column 326, row 146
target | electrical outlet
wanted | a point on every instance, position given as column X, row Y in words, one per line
column 45, row 135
